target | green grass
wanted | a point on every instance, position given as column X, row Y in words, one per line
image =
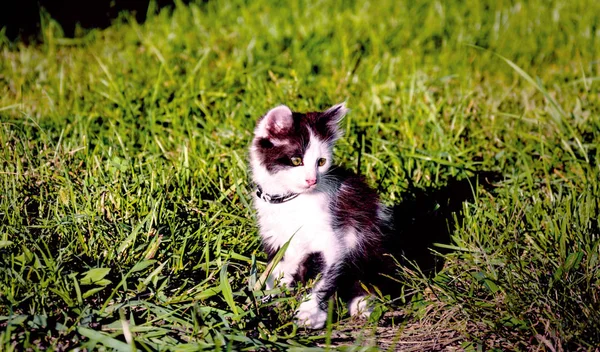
column 125, row 197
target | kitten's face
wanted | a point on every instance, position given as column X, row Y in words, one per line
column 291, row 151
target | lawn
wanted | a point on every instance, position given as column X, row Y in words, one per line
column 125, row 202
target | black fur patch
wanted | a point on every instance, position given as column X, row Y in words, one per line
column 356, row 207
column 311, row 266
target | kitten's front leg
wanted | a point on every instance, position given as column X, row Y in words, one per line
column 277, row 276
column 280, row 274
column 312, row 313
column 287, row 267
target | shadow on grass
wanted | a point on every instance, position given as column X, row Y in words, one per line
column 427, row 216
column 22, row 18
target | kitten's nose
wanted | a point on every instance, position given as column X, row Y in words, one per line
column 311, row 181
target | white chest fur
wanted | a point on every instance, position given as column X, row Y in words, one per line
column 307, row 218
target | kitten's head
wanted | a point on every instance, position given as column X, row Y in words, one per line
column 290, row 150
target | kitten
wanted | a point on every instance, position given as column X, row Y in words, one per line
column 337, row 222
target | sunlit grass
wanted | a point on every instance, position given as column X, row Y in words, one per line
column 125, row 198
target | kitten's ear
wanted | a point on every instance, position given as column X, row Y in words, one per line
column 278, row 120
column 333, row 116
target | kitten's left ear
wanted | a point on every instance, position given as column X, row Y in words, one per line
column 333, row 116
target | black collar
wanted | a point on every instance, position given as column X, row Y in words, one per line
column 275, row 198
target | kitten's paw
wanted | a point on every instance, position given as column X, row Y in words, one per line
column 286, row 281
column 310, row 315
column 360, row 306
column 281, row 280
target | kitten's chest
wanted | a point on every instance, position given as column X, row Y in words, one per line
column 305, row 217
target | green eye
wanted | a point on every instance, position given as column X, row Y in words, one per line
column 296, row 161
column 321, row 161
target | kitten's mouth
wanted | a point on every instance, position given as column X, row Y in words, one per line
column 310, row 188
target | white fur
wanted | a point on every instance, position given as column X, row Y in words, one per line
column 360, row 306
column 351, row 239
column 306, row 218
column 310, row 315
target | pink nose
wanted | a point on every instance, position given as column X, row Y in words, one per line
column 311, row 181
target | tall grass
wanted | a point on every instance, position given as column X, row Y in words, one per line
column 125, row 202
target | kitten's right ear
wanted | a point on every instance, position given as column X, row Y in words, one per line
column 332, row 118
column 277, row 121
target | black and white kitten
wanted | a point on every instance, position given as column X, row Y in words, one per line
column 337, row 222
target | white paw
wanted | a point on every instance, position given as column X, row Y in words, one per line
column 279, row 280
column 360, row 306
column 310, row 315
column 286, row 280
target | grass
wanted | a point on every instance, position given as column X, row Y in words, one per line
column 125, row 198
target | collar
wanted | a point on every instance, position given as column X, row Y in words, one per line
column 275, row 198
